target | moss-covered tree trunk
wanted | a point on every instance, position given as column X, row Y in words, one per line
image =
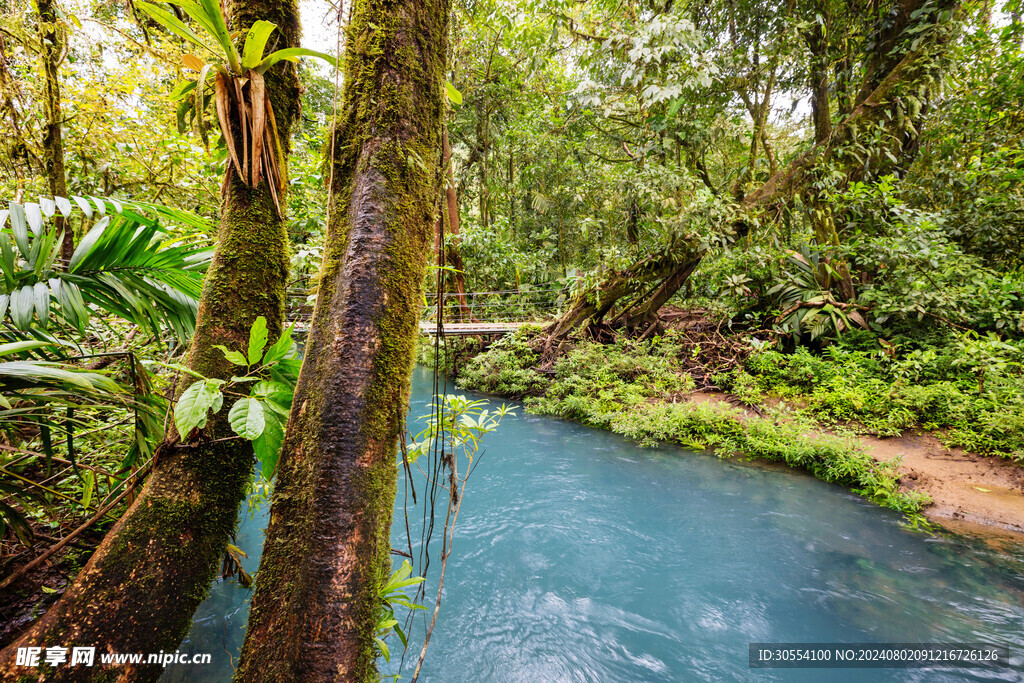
column 52, row 45
column 328, row 541
column 140, row 588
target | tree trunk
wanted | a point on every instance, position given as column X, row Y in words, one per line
column 875, row 109
column 328, row 542
column 140, row 588
column 52, row 45
column 453, row 254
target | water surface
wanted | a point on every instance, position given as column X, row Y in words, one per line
column 579, row 556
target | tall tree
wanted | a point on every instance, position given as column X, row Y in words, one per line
column 873, row 139
column 140, row 588
column 53, row 45
column 328, row 542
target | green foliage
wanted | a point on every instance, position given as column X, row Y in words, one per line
column 57, row 397
column 594, row 381
column 456, row 427
column 631, row 388
column 971, row 388
column 392, row 594
column 507, row 369
column 780, row 439
column 127, row 265
column 261, row 415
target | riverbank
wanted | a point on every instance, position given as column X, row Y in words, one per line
column 845, row 416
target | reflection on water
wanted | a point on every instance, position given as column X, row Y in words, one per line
column 579, row 556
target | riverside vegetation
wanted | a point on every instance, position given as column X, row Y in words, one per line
column 640, row 389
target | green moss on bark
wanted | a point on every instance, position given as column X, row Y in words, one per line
column 154, row 568
column 328, row 546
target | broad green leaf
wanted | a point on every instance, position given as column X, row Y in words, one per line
column 172, row 24
column 19, row 227
column 84, row 205
column 22, row 305
column 234, row 357
column 7, row 260
column 257, row 340
column 281, row 348
column 291, row 53
column 42, row 297
column 453, row 94
column 182, row 89
column 35, row 218
column 18, row 347
column 88, row 242
column 274, row 391
column 64, row 205
column 246, row 418
column 47, row 206
column 191, row 409
column 383, row 649
column 220, row 32
column 268, row 444
column 255, row 43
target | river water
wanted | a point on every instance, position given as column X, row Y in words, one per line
column 579, row 556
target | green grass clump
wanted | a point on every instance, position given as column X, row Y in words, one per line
column 506, row 369
column 594, row 380
column 831, row 459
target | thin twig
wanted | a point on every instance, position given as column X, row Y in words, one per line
column 70, row 537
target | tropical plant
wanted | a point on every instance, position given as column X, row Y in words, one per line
column 392, row 593
column 239, row 93
column 259, row 416
column 807, row 301
column 38, row 395
column 126, row 265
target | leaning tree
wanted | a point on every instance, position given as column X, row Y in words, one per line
column 328, row 542
column 875, row 135
column 140, row 588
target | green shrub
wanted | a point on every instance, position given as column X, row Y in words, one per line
column 505, row 369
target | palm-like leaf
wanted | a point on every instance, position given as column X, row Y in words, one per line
column 45, row 394
column 126, row 266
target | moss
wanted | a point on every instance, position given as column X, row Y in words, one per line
column 339, row 459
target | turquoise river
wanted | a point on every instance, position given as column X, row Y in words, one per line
column 579, row 556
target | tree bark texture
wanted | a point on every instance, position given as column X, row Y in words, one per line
column 328, row 542
column 52, row 46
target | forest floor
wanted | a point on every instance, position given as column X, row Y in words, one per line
column 971, row 492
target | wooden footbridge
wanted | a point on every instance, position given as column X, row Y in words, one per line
column 469, row 314
column 490, row 314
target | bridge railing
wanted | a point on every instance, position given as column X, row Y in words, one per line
column 509, row 305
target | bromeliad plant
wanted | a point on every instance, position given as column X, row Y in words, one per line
column 244, row 110
column 807, row 300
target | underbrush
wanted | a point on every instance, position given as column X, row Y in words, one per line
column 970, row 389
column 506, row 369
column 631, row 388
